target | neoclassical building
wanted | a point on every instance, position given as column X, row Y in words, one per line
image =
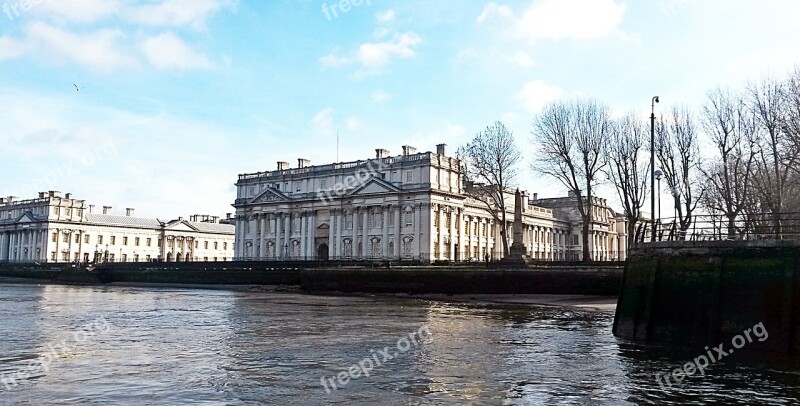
column 411, row 206
column 52, row 228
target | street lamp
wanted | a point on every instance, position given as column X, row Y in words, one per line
column 659, row 175
column 652, row 169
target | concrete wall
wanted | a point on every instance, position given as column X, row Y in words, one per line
column 601, row 280
column 706, row 293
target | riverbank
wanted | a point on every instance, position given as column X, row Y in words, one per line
column 541, row 280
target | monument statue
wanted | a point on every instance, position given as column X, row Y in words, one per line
column 518, row 249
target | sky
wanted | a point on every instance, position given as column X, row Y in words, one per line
column 159, row 105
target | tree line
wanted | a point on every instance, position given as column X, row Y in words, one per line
column 748, row 167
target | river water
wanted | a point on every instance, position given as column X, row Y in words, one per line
column 151, row 346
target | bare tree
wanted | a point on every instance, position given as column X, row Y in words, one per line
column 490, row 168
column 626, row 168
column 791, row 116
column 570, row 139
column 678, row 152
column 731, row 127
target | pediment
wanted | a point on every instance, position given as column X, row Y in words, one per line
column 269, row 195
column 26, row 217
column 180, row 226
column 374, row 186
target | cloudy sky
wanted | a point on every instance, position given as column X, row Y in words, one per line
column 175, row 98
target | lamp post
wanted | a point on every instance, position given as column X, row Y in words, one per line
column 653, row 169
column 659, row 175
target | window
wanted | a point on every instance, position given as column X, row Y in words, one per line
column 57, row 211
column 409, row 219
column 53, row 256
column 77, row 238
column 225, row 245
column 216, row 246
column 436, row 219
column 124, row 257
column 69, row 212
column 86, row 238
column 66, row 237
column 113, row 240
column 135, row 257
column 55, row 238
column 149, row 242
column 205, row 245
column 409, row 176
column 323, row 184
column 136, row 242
column 99, row 239
column 125, row 241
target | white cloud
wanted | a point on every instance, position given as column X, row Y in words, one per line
column 372, row 57
column 386, row 16
column 79, row 11
column 353, row 123
column 537, row 94
column 377, row 54
column 178, row 12
column 99, row 50
column 494, row 10
column 559, row 19
column 322, row 123
column 167, row 51
column 523, row 60
column 380, row 96
column 10, row 48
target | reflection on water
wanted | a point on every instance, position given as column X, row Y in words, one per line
column 181, row 346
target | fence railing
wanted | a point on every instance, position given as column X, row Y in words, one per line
column 745, row 227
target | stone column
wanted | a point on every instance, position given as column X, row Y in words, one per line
column 303, row 235
column 418, row 229
column 338, row 252
column 311, row 235
column 398, row 227
column 332, row 233
column 278, row 235
column 365, row 237
column 354, row 244
column 263, row 243
column 385, row 213
column 3, row 246
column 287, row 236
column 452, row 232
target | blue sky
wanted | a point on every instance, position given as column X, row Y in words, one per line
column 178, row 97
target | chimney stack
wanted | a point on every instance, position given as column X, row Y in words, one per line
column 106, row 209
column 440, row 149
column 91, row 208
column 303, row 163
column 282, row 166
column 409, row 150
column 535, row 197
column 381, row 153
column 129, row 212
column 68, row 196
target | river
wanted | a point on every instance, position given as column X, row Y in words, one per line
column 168, row 346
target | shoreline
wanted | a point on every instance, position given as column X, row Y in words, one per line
column 581, row 302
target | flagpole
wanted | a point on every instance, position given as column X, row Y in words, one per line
column 337, row 146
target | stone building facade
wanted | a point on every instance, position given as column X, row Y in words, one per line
column 411, row 206
column 52, row 228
